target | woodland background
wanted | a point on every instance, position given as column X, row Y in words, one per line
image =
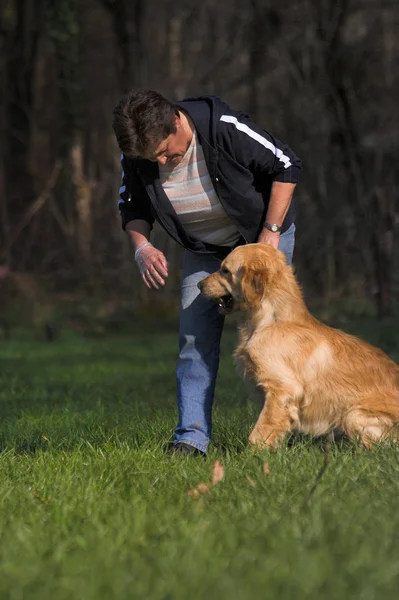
column 322, row 75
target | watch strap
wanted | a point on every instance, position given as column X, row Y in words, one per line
column 272, row 227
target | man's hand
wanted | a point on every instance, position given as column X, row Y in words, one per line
column 152, row 265
column 269, row 237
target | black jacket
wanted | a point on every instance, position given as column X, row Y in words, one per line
column 243, row 161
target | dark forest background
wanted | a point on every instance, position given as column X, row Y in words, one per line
column 322, row 75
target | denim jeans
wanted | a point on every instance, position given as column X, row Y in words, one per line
column 200, row 332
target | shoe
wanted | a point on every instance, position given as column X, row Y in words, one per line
column 183, row 449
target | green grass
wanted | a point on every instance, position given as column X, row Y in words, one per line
column 91, row 509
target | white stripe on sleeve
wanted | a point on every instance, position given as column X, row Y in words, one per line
column 256, row 136
column 123, row 187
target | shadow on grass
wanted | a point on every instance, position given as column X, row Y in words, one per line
column 294, row 441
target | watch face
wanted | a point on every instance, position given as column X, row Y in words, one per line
column 272, row 227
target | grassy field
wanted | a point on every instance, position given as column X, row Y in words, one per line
column 92, row 509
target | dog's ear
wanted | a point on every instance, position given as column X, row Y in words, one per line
column 253, row 284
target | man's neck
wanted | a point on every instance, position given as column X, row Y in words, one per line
column 187, row 125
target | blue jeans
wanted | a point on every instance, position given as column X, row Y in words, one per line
column 200, row 332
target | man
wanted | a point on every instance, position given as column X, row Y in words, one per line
column 213, row 180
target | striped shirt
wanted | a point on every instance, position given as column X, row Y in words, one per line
column 192, row 195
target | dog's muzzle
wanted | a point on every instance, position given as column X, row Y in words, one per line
column 225, row 303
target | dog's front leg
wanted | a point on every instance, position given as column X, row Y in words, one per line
column 273, row 422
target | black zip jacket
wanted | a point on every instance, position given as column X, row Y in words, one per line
column 243, row 160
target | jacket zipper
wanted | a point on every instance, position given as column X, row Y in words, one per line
column 216, row 180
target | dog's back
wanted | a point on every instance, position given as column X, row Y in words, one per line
column 342, row 374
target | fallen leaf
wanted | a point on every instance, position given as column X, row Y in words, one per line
column 204, row 488
column 266, row 469
column 218, row 472
column 251, row 482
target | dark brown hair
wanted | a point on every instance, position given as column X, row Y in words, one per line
column 142, row 119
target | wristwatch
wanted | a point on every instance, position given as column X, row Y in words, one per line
column 272, row 227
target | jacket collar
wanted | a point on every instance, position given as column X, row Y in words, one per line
column 204, row 114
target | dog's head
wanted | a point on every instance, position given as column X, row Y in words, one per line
column 245, row 277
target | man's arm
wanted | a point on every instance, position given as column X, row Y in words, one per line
column 138, row 232
column 137, row 220
column 280, row 200
column 263, row 155
column 134, row 203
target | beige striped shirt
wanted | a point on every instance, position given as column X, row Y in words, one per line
column 191, row 193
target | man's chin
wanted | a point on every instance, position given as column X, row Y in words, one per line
column 175, row 161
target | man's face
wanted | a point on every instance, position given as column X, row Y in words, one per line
column 172, row 149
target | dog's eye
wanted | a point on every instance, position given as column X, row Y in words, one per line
column 224, row 271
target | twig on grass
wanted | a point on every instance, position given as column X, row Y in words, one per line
column 327, row 447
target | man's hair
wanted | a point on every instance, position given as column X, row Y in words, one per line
column 142, row 119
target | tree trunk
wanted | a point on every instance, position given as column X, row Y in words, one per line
column 83, row 189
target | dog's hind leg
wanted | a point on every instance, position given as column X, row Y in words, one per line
column 373, row 421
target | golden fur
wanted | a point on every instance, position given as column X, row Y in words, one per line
column 313, row 378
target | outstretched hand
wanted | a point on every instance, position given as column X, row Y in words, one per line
column 152, row 265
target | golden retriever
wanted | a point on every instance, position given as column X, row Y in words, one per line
column 313, row 378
